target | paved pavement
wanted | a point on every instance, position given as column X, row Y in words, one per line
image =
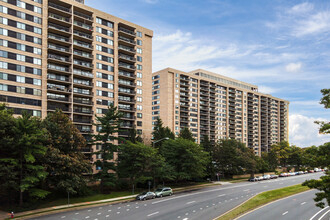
column 300, row 206
column 207, row 203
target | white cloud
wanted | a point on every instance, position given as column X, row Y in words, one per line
column 303, row 132
column 301, row 8
column 293, row 67
column 314, row 24
column 267, row 89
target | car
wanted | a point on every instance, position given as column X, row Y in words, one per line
column 292, row 174
column 253, row 179
column 259, row 178
column 310, row 171
column 145, row 196
column 266, row 177
column 166, row 191
column 273, row 176
column 300, row 172
column 283, row 175
column 305, row 172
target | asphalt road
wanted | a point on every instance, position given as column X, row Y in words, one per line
column 300, row 206
column 207, row 203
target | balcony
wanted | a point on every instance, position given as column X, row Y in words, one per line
column 57, row 98
column 184, row 84
column 128, row 117
column 126, row 31
column 124, row 108
column 126, row 91
column 57, row 68
column 82, row 54
column 59, row 78
column 126, row 100
column 126, row 125
column 126, row 49
column 59, row 48
column 127, row 58
column 82, row 35
column 126, row 74
column 58, row 17
column 127, row 66
column 82, row 121
column 59, row 58
column 82, row 92
column 59, row 28
column 59, row 7
column 82, row 44
column 82, row 15
column 82, row 102
column 126, row 83
column 58, row 89
column 126, row 40
column 83, row 64
column 83, row 73
column 87, row 84
column 82, row 25
column 83, row 111
column 58, row 39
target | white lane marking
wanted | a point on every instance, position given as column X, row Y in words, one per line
column 127, row 209
column 194, row 210
column 221, row 195
column 185, row 219
column 236, row 198
column 192, row 194
column 145, row 204
column 155, row 213
column 303, row 203
column 63, row 217
column 99, row 213
column 128, row 205
column 77, row 213
column 190, row 202
column 119, row 207
column 137, row 207
column 285, row 213
column 89, row 210
column 96, row 219
column 118, row 213
column 324, row 214
column 201, row 208
column 107, row 216
column 87, row 217
column 246, row 190
column 179, row 216
column 109, row 210
column 318, row 213
column 187, row 213
column 207, row 206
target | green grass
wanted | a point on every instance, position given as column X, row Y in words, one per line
column 263, row 198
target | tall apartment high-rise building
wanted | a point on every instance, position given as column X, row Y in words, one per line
column 219, row 107
column 62, row 54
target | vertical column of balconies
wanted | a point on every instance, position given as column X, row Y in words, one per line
column 239, row 115
column 82, row 68
column 213, row 110
column 184, row 102
column 127, row 76
column 269, row 120
column 59, row 58
column 253, row 121
column 231, row 113
column 264, row 124
column 204, row 110
column 283, row 121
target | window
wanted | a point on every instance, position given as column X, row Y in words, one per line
column 139, row 58
column 20, row 79
column 139, row 34
column 139, row 83
column 139, row 42
column 139, row 99
column 139, row 91
column 139, row 115
column 139, row 123
column 139, row 67
column 3, row 87
column 139, row 75
column 139, row 107
column 139, row 50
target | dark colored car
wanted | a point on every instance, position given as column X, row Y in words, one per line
column 146, row 195
column 273, row 176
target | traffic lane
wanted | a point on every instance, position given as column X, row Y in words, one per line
column 300, row 206
column 175, row 202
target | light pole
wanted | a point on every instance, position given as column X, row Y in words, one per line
column 154, row 142
column 153, row 145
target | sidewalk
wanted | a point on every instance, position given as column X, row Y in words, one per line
column 55, row 209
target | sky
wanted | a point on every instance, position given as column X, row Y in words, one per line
column 281, row 46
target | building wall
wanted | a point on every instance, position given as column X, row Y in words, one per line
column 220, row 107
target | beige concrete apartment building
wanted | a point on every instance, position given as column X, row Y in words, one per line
column 219, row 107
column 62, row 54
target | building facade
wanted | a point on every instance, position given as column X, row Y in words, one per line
column 219, row 107
column 62, row 54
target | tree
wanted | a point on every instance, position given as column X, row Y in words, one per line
column 323, row 185
column 137, row 162
column 208, row 147
column 64, row 160
column 186, row 158
column 29, row 143
column 280, row 151
column 107, row 126
column 8, row 162
column 133, row 137
column 232, row 157
column 161, row 132
column 186, row 134
column 295, row 157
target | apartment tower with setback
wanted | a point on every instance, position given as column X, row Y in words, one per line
column 219, row 107
column 62, row 54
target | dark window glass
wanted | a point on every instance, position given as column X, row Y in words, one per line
column 29, row 38
column 28, row 80
column 11, row 77
column 104, row 76
column 11, row 66
column 29, row 28
column 28, row 59
column 11, row 88
column 11, row 44
column 11, row 56
column 29, row 70
column 29, row 17
column 29, row 7
column 13, row 2
column 11, row 12
column 11, row 23
column 104, row 93
column 12, row 34
column 29, row 49
column 29, row 91
column 104, row 85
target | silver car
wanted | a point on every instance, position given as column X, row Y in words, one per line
column 146, row 195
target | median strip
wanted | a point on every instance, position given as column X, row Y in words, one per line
column 262, row 199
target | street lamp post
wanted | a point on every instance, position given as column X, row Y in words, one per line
column 154, row 142
column 153, row 145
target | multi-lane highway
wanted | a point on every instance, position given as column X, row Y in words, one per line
column 300, row 206
column 207, row 203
